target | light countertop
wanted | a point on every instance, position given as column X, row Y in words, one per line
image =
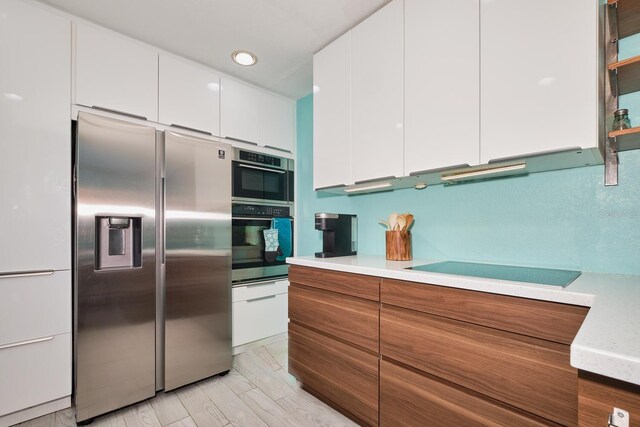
column 608, row 342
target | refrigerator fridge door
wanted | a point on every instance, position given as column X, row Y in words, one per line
column 197, row 259
column 115, row 265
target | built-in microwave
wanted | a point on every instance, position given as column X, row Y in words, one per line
column 261, row 178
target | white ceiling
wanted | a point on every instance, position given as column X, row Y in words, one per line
column 284, row 34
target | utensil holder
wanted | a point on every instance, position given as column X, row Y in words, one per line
column 398, row 245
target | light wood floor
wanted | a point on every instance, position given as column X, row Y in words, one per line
column 257, row 392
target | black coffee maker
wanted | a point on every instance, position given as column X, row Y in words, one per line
column 339, row 234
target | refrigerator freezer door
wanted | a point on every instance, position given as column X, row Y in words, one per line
column 115, row 305
column 197, row 259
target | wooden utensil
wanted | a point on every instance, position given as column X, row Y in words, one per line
column 402, row 222
column 393, row 221
column 409, row 218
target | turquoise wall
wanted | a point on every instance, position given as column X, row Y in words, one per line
column 563, row 219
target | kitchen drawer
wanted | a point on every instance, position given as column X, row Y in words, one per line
column 352, row 319
column 35, row 373
column 258, row 290
column 356, row 285
column 35, row 306
column 342, row 374
column 410, row 398
column 541, row 319
column 524, row 372
column 258, row 318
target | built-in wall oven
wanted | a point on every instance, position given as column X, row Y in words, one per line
column 262, row 178
column 248, row 222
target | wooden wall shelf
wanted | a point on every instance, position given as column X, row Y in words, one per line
column 627, row 139
column 628, row 17
column 628, row 71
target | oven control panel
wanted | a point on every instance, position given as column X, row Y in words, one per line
column 259, row 158
column 260, row 210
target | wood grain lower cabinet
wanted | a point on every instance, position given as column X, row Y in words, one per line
column 356, row 285
column 345, row 376
column 410, row 398
column 352, row 319
column 524, row 372
column 598, row 395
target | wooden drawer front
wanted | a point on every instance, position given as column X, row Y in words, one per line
column 541, row 319
column 259, row 290
column 36, row 373
column 352, row 319
column 258, row 318
column 356, row 285
column 408, row 398
column 344, row 375
column 35, row 306
column 527, row 373
column 598, row 395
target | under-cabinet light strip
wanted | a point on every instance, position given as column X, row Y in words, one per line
column 368, row 187
column 483, row 172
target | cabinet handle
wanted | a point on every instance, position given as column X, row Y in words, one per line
column 124, row 113
column 173, row 125
column 262, row 169
column 240, row 140
column 375, row 179
column 261, row 298
column 279, row 149
column 26, row 274
column 21, row 343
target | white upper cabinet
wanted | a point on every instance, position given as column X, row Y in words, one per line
column 115, row 73
column 377, row 57
column 332, row 114
column 539, row 76
column 239, row 111
column 442, row 84
column 252, row 115
column 277, row 124
column 189, row 95
column 35, row 130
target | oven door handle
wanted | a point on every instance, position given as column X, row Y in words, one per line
column 255, row 218
column 242, row 165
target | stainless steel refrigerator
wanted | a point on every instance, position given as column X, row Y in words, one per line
column 152, row 288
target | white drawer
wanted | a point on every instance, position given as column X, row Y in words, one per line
column 259, row 318
column 36, row 373
column 258, row 290
column 35, row 306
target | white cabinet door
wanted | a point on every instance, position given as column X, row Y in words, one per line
column 115, row 73
column 377, row 56
column 189, row 95
column 35, row 373
column 239, row 111
column 259, row 318
column 277, row 125
column 332, row 114
column 442, row 84
column 35, row 306
column 539, row 76
column 35, row 130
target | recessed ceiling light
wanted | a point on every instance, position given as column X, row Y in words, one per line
column 244, row 57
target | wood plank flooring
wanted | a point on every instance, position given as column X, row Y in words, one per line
column 257, row 392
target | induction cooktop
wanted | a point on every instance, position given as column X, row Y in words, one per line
column 541, row 276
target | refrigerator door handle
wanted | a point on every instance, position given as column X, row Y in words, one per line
column 164, row 227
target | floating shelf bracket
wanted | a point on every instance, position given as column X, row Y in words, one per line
column 612, row 15
column 611, row 162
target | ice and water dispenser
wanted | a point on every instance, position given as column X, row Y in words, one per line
column 118, row 242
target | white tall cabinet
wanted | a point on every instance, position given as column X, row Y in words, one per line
column 539, row 74
column 188, row 95
column 377, row 94
column 35, row 253
column 115, row 73
column 442, row 84
column 332, row 114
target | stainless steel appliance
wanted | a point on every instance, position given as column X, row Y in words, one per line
column 151, row 308
column 248, row 223
column 339, row 234
column 262, row 178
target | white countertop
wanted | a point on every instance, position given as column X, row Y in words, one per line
column 608, row 342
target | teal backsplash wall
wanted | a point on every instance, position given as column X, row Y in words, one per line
column 563, row 219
